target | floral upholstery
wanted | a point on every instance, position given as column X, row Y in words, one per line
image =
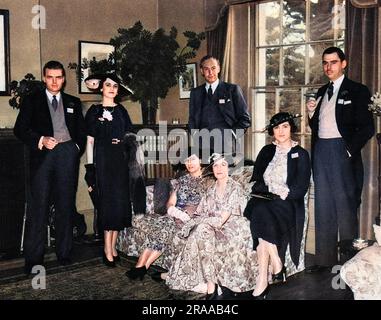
column 130, row 240
column 362, row 273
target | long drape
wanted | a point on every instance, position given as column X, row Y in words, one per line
column 362, row 46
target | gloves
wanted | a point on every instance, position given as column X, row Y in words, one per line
column 187, row 228
column 90, row 175
column 178, row 214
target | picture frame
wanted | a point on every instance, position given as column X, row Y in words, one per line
column 90, row 50
column 188, row 80
column 4, row 53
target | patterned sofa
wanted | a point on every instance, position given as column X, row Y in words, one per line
column 130, row 240
column 362, row 273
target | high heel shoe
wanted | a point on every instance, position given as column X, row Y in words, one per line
column 263, row 295
column 116, row 258
column 107, row 262
column 213, row 295
column 280, row 276
column 157, row 276
column 135, row 273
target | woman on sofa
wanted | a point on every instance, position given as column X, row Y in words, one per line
column 281, row 178
column 181, row 205
column 217, row 247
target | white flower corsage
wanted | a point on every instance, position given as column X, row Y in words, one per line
column 107, row 115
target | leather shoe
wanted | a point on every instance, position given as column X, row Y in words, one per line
column 29, row 266
column 263, row 295
column 318, row 268
column 157, row 276
column 213, row 295
column 107, row 262
column 280, row 276
column 64, row 261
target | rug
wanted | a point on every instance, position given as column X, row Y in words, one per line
column 91, row 280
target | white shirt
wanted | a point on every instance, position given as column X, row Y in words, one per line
column 214, row 85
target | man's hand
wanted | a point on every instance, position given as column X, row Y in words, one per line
column 311, row 105
column 49, row 142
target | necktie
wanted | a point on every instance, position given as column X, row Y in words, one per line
column 210, row 93
column 54, row 103
column 330, row 90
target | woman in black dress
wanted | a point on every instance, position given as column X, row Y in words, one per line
column 106, row 169
column 276, row 210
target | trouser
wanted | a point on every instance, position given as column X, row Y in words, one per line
column 335, row 200
column 56, row 179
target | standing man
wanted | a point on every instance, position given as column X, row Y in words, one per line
column 341, row 126
column 51, row 124
column 217, row 105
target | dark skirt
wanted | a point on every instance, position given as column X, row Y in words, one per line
column 113, row 187
column 273, row 221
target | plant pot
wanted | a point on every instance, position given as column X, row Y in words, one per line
column 149, row 110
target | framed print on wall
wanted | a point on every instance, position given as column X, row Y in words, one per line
column 4, row 53
column 90, row 51
column 188, row 80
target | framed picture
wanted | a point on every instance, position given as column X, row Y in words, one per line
column 4, row 53
column 188, row 80
column 91, row 51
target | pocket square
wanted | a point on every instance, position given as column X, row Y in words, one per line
column 340, row 101
column 70, row 110
column 294, row 155
column 347, row 102
column 221, row 101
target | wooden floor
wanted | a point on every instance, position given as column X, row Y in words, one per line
column 302, row 286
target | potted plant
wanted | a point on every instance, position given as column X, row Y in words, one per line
column 19, row 90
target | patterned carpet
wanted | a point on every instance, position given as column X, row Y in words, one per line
column 91, row 280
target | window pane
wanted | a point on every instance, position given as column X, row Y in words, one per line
column 289, row 101
column 268, row 23
column 268, row 67
column 327, row 19
column 264, row 109
column 294, row 61
column 294, row 25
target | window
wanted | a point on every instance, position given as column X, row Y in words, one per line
column 290, row 39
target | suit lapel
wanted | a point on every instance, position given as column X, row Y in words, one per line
column 45, row 108
column 340, row 96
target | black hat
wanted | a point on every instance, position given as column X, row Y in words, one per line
column 93, row 83
column 281, row 117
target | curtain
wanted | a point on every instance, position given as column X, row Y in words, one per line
column 362, row 45
column 216, row 38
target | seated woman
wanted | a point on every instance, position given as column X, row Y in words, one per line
column 217, row 243
column 160, row 230
column 281, row 178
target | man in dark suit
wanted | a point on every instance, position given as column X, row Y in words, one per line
column 51, row 124
column 341, row 125
column 217, row 105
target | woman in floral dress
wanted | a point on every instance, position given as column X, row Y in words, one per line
column 217, row 249
column 158, row 230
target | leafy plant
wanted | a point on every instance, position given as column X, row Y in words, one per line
column 150, row 63
column 19, row 90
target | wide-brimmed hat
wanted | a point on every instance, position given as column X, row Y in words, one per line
column 279, row 118
column 93, row 83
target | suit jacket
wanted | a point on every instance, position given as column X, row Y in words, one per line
column 298, row 181
column 231, row 104
column 34, row 121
